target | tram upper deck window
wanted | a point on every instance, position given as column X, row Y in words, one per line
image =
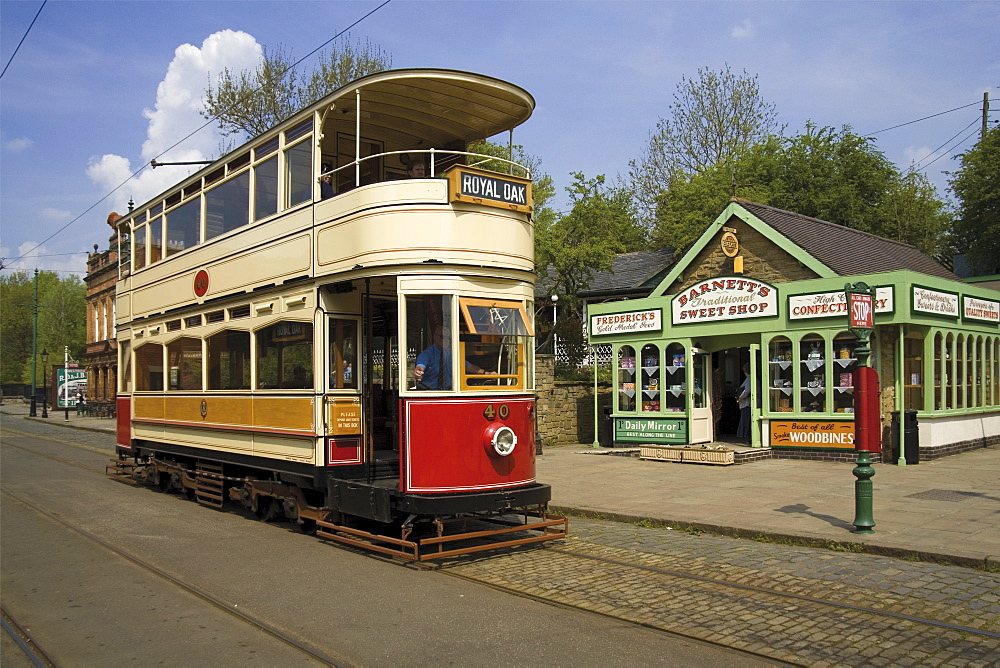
column 184, row 226
column 227, row 206
column 298, row 166
column 285, row 355
column 139, row 246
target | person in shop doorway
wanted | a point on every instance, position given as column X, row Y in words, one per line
column 743, row 431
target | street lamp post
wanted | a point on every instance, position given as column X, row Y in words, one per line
column 555, row 337
column 45, row 383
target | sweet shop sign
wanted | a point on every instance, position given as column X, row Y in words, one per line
column 724, row 298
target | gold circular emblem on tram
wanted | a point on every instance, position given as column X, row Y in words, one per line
column 730, row 244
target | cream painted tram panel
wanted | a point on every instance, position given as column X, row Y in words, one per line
column 412, row 235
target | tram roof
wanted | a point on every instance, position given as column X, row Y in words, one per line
column 448, row 103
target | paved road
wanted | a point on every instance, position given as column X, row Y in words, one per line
column 88, row 606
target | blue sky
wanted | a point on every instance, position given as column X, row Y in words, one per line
column 98, row 88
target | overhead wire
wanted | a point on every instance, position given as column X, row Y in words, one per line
column 24, row 37
column 188, row 136
column 917, row 163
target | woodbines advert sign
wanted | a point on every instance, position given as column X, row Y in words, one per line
column 724, row 299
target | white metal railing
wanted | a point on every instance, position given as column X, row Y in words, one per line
column 482, row 159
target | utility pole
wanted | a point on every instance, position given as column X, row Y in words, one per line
column 986, row 115
column 33, row 412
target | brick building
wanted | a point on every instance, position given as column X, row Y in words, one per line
column 102, row 346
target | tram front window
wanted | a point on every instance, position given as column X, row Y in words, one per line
column 429, row 339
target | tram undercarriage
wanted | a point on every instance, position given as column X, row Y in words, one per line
column 361, row 514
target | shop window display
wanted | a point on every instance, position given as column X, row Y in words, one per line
column 626, row 378
column 812, row 356
column 781, row 377
column 650, row 378
column 675, row 392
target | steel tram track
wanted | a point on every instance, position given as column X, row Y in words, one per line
column 188, row 587
column 23, row 638
column 445, row 570
column 715, row 611
column 782, row 594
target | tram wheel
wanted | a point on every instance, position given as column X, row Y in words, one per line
column 267, row 509
column 308, row 527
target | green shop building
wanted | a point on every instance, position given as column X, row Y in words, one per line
column 763, row 290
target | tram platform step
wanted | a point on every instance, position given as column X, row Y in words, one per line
column 209, row 484
column 122, row 470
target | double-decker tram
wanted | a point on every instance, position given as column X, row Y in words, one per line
column 333, row 324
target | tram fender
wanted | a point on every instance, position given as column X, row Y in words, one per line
column 359, row 499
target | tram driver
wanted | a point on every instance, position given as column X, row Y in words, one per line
column 433, row 368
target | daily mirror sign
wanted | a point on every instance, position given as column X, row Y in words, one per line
column 724, row 299
column 623, row 323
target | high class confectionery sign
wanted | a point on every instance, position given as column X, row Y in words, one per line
column 828, row 304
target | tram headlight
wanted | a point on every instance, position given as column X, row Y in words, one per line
column 499, row 439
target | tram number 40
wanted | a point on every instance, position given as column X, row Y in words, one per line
column 491, row 413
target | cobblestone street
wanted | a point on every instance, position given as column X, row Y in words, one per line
column 795, row 604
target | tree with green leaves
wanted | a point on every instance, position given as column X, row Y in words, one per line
column 251, row 102
column 571, row 247
column 977, row 186
column 715, row 117
column 833, row 175
column 62, row 321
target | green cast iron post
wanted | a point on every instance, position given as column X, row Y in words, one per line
column 863, row 470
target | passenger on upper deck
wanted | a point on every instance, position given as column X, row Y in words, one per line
column 416, row 169
column 325, row 185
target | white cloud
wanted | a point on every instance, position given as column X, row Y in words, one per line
column 179, row 97
column 744, row 30
column 18, row 145
column 56, row 215
column 42, row 258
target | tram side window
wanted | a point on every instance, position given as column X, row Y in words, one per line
column 298, row 177
column 229, row 360
column 140, row 246
column 184, row 362
column 227, row 206
column 285, row 355
column 156, row 239
column 149, row 367
column 125, row 364
column 265, row 191
column 343, row 358
column 429, row 341
column 183, row 226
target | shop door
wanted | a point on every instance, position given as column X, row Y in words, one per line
column 702, row 420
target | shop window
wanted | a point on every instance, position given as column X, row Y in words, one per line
column 149, row 368
column 699, row 364
column 781, row 375
column 674, row 381
column 913, row 371
column 993, row 374
column 843, row 363
column 650, row 379
column 229, row 360
column 944, row 371
column 626, row 378
column 184, row 364
column 343, row 354
column 961, row 372
column 979, row 366
column 285, row 355
column 812, row 356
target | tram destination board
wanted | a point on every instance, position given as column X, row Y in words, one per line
column 468, row 184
